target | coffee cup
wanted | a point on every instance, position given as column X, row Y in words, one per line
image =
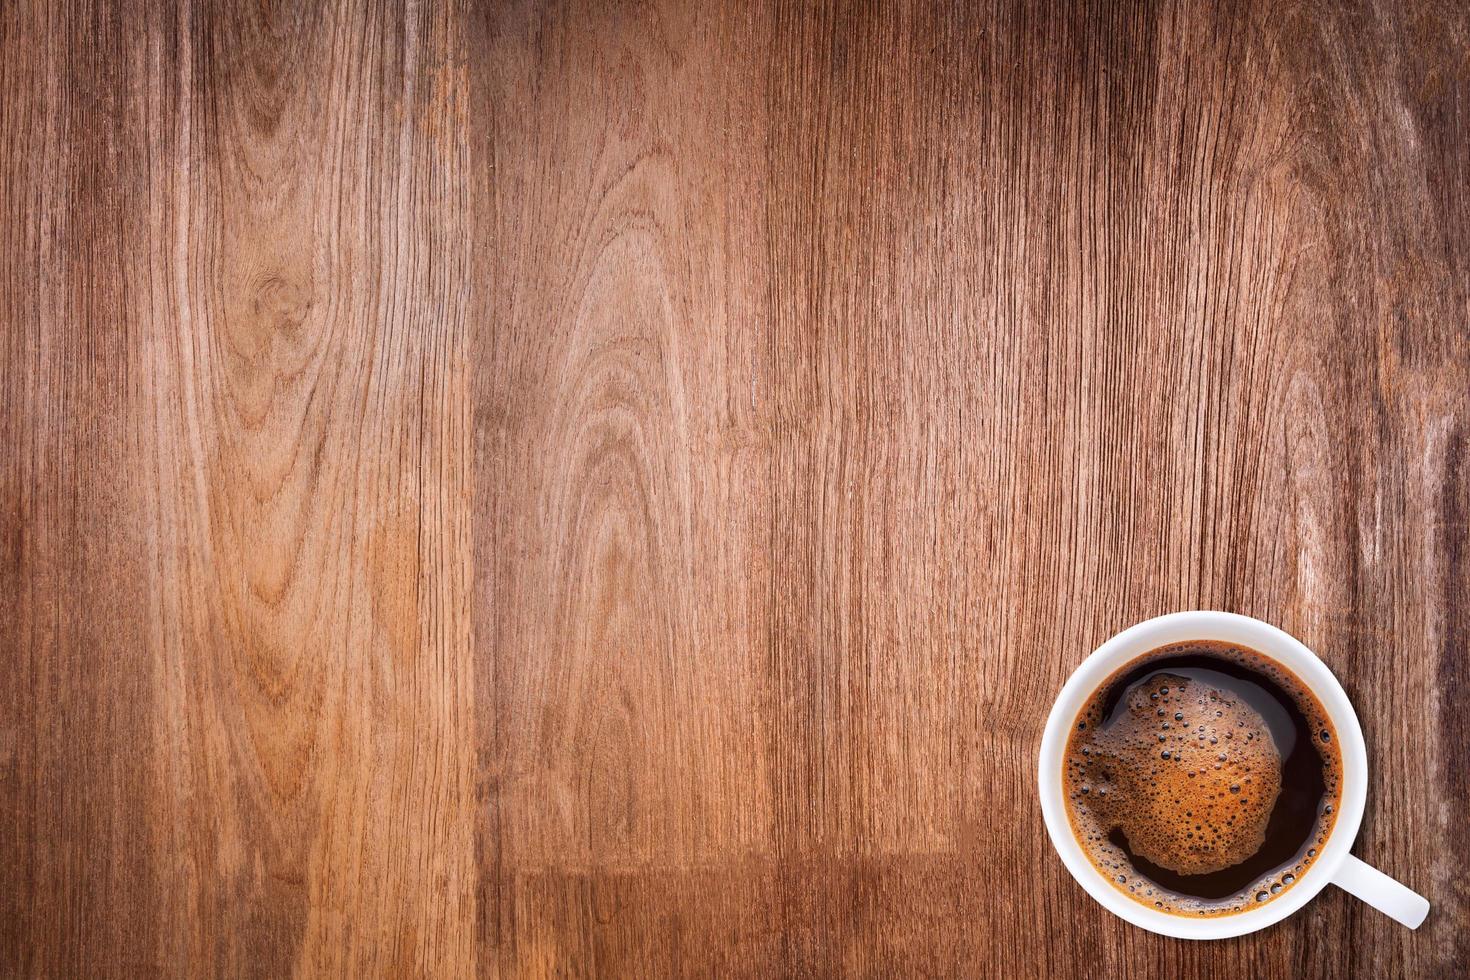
column 1334, row 865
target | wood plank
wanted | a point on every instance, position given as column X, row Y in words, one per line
column 624, row 548
column 251, row 320
column 78, row 687
column 1058, row 336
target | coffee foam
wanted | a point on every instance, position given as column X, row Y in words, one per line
column 1190, row 775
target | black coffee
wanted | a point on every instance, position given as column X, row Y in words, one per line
column 1202, row 778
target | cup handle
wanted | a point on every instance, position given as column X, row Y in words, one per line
column 1382, row 892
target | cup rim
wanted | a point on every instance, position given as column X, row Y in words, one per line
column 1177, row 627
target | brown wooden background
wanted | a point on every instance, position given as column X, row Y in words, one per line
column 613, row 489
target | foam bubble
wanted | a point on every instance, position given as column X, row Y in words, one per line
column 1146, row 806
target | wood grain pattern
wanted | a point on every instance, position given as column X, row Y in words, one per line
column 610, row 489
column 240, row 742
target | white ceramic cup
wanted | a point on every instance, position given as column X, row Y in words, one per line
column 1334, row 864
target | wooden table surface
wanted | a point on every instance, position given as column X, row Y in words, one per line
column 597, row 489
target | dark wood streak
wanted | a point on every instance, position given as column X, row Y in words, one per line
column 74, row 630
